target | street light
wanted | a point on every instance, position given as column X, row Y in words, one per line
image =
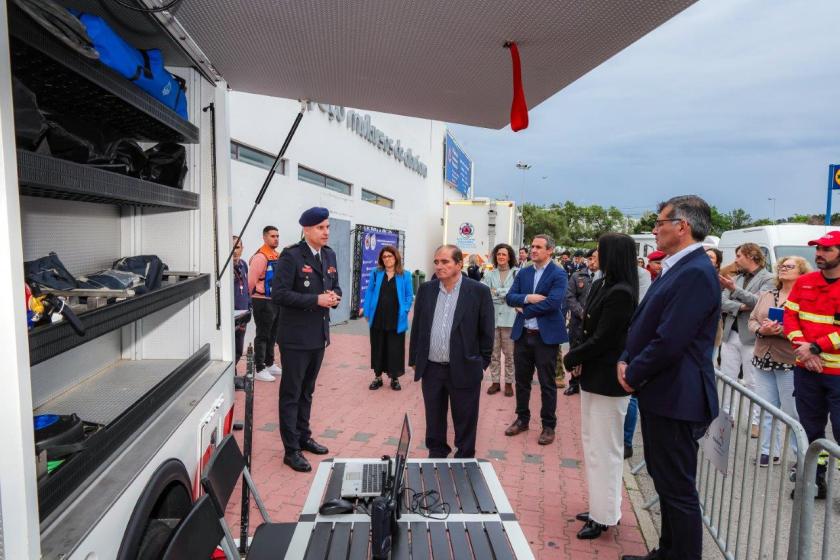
column 522, row 166
column 772, row 202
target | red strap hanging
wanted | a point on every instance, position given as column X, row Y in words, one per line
column 518, row 109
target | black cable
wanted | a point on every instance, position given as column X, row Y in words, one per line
column 165, row 8
column 419, row 504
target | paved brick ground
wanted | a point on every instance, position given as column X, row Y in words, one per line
column 545, row 485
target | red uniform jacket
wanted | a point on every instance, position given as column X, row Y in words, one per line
column 812, row 314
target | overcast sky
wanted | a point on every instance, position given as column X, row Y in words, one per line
column 735, row 100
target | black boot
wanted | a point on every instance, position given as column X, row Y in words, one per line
column 376, row 383
column 395, row 384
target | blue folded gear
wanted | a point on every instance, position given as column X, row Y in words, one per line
column 143, row 67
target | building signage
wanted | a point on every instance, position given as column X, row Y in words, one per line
column 457, row 167
column 372, row 243
column 361, row 124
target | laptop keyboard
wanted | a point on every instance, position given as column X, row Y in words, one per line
column 373, row 477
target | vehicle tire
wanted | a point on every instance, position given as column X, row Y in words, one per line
column 154, row 540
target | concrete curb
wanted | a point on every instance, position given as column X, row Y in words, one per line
column 643, row 516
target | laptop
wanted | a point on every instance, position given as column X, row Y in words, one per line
column 368, row 480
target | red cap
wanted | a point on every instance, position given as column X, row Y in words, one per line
column 656, row 256
column 830, row 239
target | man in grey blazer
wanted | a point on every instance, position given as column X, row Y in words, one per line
column 737, row 301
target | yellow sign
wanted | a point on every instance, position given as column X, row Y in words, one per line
column 837, row 177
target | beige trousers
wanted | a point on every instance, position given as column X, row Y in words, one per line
column 502, row 344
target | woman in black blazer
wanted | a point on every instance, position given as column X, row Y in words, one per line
column 609, row 308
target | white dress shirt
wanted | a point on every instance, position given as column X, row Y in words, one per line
column 538, row 272
column 668, row 262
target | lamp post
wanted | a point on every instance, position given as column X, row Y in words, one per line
column 772, row 202
column 522, row 166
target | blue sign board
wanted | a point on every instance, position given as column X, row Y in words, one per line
column 372, row 243
column 457, row 167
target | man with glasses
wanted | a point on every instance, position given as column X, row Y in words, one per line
column 538, row 295
column 667, row 363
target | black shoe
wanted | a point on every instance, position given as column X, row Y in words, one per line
column 583, row 516
column 628, row 451
column 376, row 383
column 591, row 530
column 395, row 384
column 297, row 461
column 313, row 447
column 572, row 390
column 822, row 491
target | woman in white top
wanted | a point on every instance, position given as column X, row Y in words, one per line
column 500, row 280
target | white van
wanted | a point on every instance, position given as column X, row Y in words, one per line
column 646, row 243
column 776, row 241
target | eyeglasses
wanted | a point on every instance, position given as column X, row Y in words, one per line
column 659, row 223
column 787, row 266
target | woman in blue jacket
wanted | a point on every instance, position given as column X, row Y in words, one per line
column 387, row 302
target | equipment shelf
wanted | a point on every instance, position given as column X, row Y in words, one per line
column 66, row 82
column 46, row 176
column 51, row 340
column 122, row 399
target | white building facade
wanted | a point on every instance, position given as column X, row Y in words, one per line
column 367, row 168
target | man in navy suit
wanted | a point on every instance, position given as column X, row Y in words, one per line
column 450, row 347
column 538, row 294
column 667, row 363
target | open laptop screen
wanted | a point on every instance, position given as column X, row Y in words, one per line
column 400, row 460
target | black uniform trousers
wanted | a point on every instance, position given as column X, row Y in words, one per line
column 671, row 457
column 267, row 320
column 818, row 398
column 300, row 370
column 438, row 391
column 530, row 352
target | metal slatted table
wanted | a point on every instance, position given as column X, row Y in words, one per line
column 481, row 524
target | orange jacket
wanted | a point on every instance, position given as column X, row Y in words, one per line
column 812, row 314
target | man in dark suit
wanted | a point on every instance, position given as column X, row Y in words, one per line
column 305, row 287
column 667, row 362
column 450, row 347
column 538, row 294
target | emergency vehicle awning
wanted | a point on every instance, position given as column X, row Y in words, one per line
column 437, row 59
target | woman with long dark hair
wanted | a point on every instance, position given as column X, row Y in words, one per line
column 500, row 281
column 388, row 299
column 609, row 307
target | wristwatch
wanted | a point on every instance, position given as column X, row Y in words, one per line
column 758, row 334
column 815, row 349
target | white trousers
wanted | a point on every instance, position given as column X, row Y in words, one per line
column 602, row 432
column 735, row 356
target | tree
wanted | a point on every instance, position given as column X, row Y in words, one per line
column 646, row 223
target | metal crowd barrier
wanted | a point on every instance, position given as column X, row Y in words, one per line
column 806, row 489
column 747, row 510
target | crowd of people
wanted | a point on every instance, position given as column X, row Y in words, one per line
column 645, row 336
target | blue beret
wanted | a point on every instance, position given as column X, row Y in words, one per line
column 313, row 216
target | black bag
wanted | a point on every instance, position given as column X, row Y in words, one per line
column 30, row 124
column 49, row 272
column 167, row 164
column 123, row 156
column 150, row 267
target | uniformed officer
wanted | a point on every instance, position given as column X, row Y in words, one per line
column 304, row 288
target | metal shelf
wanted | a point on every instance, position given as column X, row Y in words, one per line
column 66, row 82
column 169, row 376
column 49, row 177
column 51, row 340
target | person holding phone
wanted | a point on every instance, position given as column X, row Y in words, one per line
column 773, row 358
